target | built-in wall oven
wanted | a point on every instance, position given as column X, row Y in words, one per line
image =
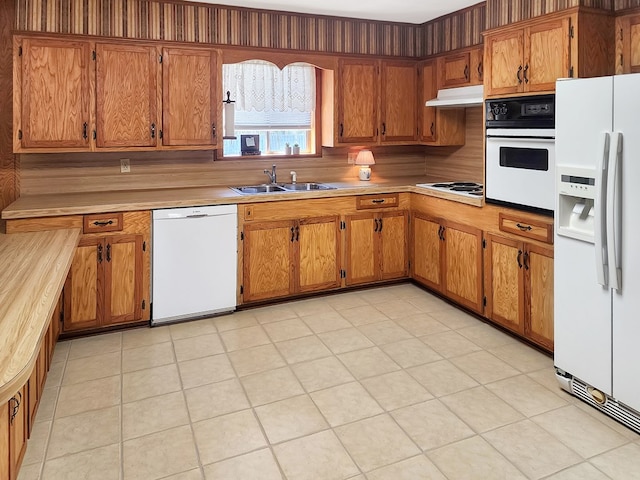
column 520, row 153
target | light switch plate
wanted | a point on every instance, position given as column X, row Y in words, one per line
column 125, row 165
column 351, row 157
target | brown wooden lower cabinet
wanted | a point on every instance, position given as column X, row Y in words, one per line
column 282, row 258
column 18, row 413
column 447, row 257
column 519, row 286
column 376, row 246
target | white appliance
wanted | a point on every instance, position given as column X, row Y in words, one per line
column 463, row 189
column 597, row 259
column 194, row 262
column 458, row 97
column 520, row 152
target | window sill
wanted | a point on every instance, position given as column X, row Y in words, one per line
column 275, row 156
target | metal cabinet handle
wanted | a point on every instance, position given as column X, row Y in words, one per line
column 297, row 233
column 518, row 259
column 293, row 234
column 480, row 70
column 378, row 200
column 108, row 252
column 100, row 253
column 526, row 260
column 341, row 130
column 213, row 130
column 16, row 407
column 526, row 77
column 103, row 224
column 375, row 229
column 384, row 128
column 381, row 225
column 524, row 228
column 85, row 126
column 466, row 72
column 433, row 126
column 153, row 130
column 518, row 74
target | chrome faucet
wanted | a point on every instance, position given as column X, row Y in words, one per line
column 271, row 174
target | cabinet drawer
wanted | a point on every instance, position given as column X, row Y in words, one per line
column 103, row 222
column 377, row 201
column 526, row 227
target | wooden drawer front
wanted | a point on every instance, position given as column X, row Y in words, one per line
column 377, row 201
column 525, row 227
column 104, row 222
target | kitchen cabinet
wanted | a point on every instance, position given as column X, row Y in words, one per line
column 286, row 257
column 16, row 438
column 376, row 246
column 462, row 68
column 519, row 280
column 376, row 102
column 437, row 126
column 189, row 96
column 447, row 257
column 628, row 43
column 126, row 103
column 54, row 94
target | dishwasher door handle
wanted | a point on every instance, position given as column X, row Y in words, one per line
column 202, row 215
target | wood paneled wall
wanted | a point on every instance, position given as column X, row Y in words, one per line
column 8, row 171
column 464, row 163
column 215, row 24
column 66, row 173
column 450, row 32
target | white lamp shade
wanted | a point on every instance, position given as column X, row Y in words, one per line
column 365, row 157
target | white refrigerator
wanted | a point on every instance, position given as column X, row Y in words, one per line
column 597, row 243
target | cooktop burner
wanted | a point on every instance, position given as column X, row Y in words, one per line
column 468, row 189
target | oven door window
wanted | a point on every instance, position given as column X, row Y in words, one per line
column 524, row 158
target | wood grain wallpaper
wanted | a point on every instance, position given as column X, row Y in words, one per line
column 215, row 24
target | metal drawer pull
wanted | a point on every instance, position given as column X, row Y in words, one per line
column 103, row 224
column 524, row 228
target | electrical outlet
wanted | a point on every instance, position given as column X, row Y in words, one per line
column 351, row 157
column 125, row 165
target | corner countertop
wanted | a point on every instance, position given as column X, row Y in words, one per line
column 50, row 205
column 34, row 268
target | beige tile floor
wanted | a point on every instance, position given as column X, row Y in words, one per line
column 383, row 384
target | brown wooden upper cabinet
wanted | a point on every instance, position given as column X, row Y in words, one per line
column 189, row 96
column 376, row 102
column 53, row 87
column 628, row 44
column 126, row 96
column 437, row 126
column 461, row 69
column 529, row 59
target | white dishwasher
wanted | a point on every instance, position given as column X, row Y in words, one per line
column 195, row 253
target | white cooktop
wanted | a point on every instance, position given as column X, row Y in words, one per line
column 464, row 189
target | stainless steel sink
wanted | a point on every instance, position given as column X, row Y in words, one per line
column 258, row 189
column 306, row 186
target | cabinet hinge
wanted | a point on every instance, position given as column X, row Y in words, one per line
column 144, row 246
column 160, row 59
column 19, row 134
column 484, row 301
column 93, row 55
column 241, row 289
column 571, row 72
column 484, row 243
column 144, row 304
column 241, row 235
column 20, row 51
column 571, row 31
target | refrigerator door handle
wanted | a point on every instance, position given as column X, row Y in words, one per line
column 600, row 211
column 613, row 211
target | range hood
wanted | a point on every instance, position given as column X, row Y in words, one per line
column 458, row 97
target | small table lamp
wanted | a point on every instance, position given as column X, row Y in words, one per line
column 365, row 158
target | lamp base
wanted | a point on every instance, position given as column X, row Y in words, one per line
column 365, row 173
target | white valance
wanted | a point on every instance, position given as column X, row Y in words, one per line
column 261, row 86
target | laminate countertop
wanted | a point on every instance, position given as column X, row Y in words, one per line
column 33, row 269
column 120, row 201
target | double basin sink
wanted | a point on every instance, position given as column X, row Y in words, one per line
column 282, row 187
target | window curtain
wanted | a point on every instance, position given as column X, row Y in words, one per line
column 261, row 86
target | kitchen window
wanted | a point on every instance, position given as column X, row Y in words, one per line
column 277, row 105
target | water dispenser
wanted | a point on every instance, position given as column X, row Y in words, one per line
column 576, row 189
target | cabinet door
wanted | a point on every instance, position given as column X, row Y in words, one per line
column 83, row 289
column 426, row 255
column 189, row 101
column 456, row 70
column 18, row 430
column 504, row 66
column 538, row 289
column 358, row 101
column 122, row 279
column 268, row 260
column 547, row 55
column 504, row 282
column 398, row 107
column 318, row 245
column 55, row 94
column 362, row 245
column 463, row 264
column 126, row 95
column 634, row 45
column 393, row 247
column 429, row 91
column 477, row 65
